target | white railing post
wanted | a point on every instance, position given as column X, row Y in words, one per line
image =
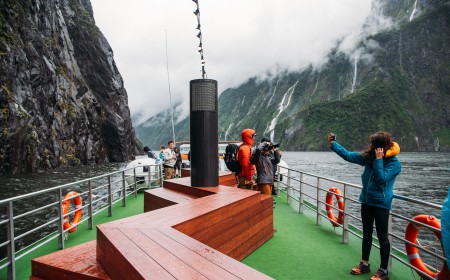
column 345, row 223
column 149, row 177
column 289, row 187
column 135, row 182
column 124, row 197
column 389, row 268
column 319, row 217
column 61, row 221
column 300, row 198
column 161, row 177
column 278, row 180
column 91, row 217
column 109, row 197
column 12, row 245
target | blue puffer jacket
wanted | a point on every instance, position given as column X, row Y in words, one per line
column 378, row 181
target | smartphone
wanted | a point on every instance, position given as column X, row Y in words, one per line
column 334, row 137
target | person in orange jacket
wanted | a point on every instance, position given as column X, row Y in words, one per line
column 245, row 152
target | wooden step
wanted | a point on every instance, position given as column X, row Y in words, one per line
column 78, row 262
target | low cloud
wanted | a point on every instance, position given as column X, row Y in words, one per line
column 241, row 39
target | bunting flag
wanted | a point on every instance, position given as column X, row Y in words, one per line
column 199, row 36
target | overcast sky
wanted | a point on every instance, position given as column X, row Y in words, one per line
column 241, row 39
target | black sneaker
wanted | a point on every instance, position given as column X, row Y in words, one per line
column 380, row 275
column 361, row 268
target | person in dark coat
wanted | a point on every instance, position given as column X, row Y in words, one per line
column 177, row 165
column 264, row 166
column 149, row 152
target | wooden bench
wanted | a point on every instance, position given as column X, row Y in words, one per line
column 191, row 233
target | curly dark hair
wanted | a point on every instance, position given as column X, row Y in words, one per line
column 379, row 139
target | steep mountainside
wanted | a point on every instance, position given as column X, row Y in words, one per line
column 397, row 80
column 62, row 100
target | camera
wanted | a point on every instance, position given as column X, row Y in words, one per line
column 275, row 145
column 270, row 146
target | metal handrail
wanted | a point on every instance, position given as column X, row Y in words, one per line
column 113, row 187
column 298, row 194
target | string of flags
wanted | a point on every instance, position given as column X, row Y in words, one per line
column 199, row 36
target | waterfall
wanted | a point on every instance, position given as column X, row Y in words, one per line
column 273, row 94
column 413, row 12
column 315, row 88
column 281, row 107
column 436, row 144
column 226, row 132
column 355, row 73
column 243, row 100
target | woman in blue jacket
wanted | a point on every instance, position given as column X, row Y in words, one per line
column 381, row 168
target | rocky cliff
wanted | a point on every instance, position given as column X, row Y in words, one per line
column 395, row 80
column 62, row 99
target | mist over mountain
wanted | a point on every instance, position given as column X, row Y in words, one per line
column 396, row 79
column 62, row 99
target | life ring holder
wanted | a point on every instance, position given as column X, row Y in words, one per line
column 65, row 207
column 411, row 233
column 329, row 201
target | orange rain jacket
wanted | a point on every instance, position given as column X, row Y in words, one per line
column 244, row 154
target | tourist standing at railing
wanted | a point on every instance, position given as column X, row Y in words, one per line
column 264, row 166
column 169, row 161
column 381, row 168
column 178, row 163
column 245, row 177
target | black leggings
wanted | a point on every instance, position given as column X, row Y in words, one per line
column 381, row 217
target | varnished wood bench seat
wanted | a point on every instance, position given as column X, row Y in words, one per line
column 197, row 233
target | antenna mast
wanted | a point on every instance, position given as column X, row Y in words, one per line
column 170, row 94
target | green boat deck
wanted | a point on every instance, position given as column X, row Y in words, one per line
column 299, row 249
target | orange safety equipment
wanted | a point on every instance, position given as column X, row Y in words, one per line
column 329, row 201
column 65, row 206
column 412, row 230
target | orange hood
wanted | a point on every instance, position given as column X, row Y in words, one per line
column 247, row 136
column 393, row 150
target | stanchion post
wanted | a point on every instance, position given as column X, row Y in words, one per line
column 319, row 217
column 12, row 245
column 345, row 223
column 300, row 199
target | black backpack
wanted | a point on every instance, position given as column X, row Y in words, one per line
column 231, row 158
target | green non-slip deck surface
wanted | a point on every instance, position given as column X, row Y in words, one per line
column 298, row 250
column 302, row 250
column 81, row 235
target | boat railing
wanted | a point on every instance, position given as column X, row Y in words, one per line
column 309, row 191
column 41, row 211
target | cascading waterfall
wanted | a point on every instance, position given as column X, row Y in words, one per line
column 228, row 130
column 355, row 73
column 281, row 107
column 273, row 94
column 413, row 11
column 315, row 88
column 243, row 100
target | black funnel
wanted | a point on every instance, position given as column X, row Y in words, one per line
column 204, row 133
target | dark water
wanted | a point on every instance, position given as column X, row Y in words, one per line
column 15, row 185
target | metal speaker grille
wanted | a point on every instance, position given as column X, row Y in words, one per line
column 204, row 95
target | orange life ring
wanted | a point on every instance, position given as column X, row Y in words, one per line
column 412, row 230
column 65, row 205
column 329, row 201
